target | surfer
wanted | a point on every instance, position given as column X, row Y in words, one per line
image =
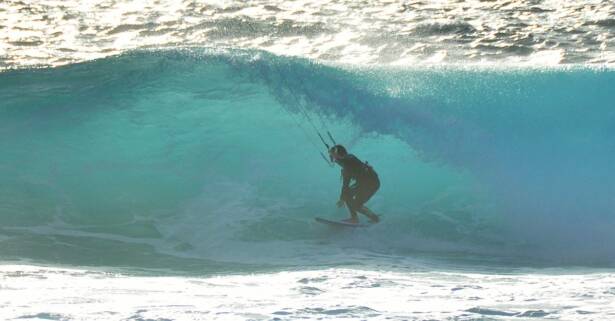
column 365, row 185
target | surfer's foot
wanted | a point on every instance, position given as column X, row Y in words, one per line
column 373, row 218
column 352, row 220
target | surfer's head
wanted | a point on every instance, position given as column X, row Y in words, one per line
column 336, row 152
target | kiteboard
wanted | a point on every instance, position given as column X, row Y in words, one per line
column 339, row 223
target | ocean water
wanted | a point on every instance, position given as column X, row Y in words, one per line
column 160, row 170
column 533, row 32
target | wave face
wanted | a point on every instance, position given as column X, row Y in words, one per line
column 196, row 158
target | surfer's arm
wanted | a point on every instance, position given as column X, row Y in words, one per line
column 345, row 185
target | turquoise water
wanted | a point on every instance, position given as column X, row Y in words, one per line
column 194, row 159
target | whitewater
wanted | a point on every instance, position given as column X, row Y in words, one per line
column 161, row 160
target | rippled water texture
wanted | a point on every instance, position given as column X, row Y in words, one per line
column 331, row 294
column 377, row 32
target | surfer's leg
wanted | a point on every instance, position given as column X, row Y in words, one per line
column 363, row 195
column 373, row 217
column 354, row 218
column 350, row 205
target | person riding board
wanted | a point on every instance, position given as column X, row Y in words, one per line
column 366, row 183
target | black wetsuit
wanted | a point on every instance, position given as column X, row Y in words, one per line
column 366, row 182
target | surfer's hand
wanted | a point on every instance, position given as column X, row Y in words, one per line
column 340, row 203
